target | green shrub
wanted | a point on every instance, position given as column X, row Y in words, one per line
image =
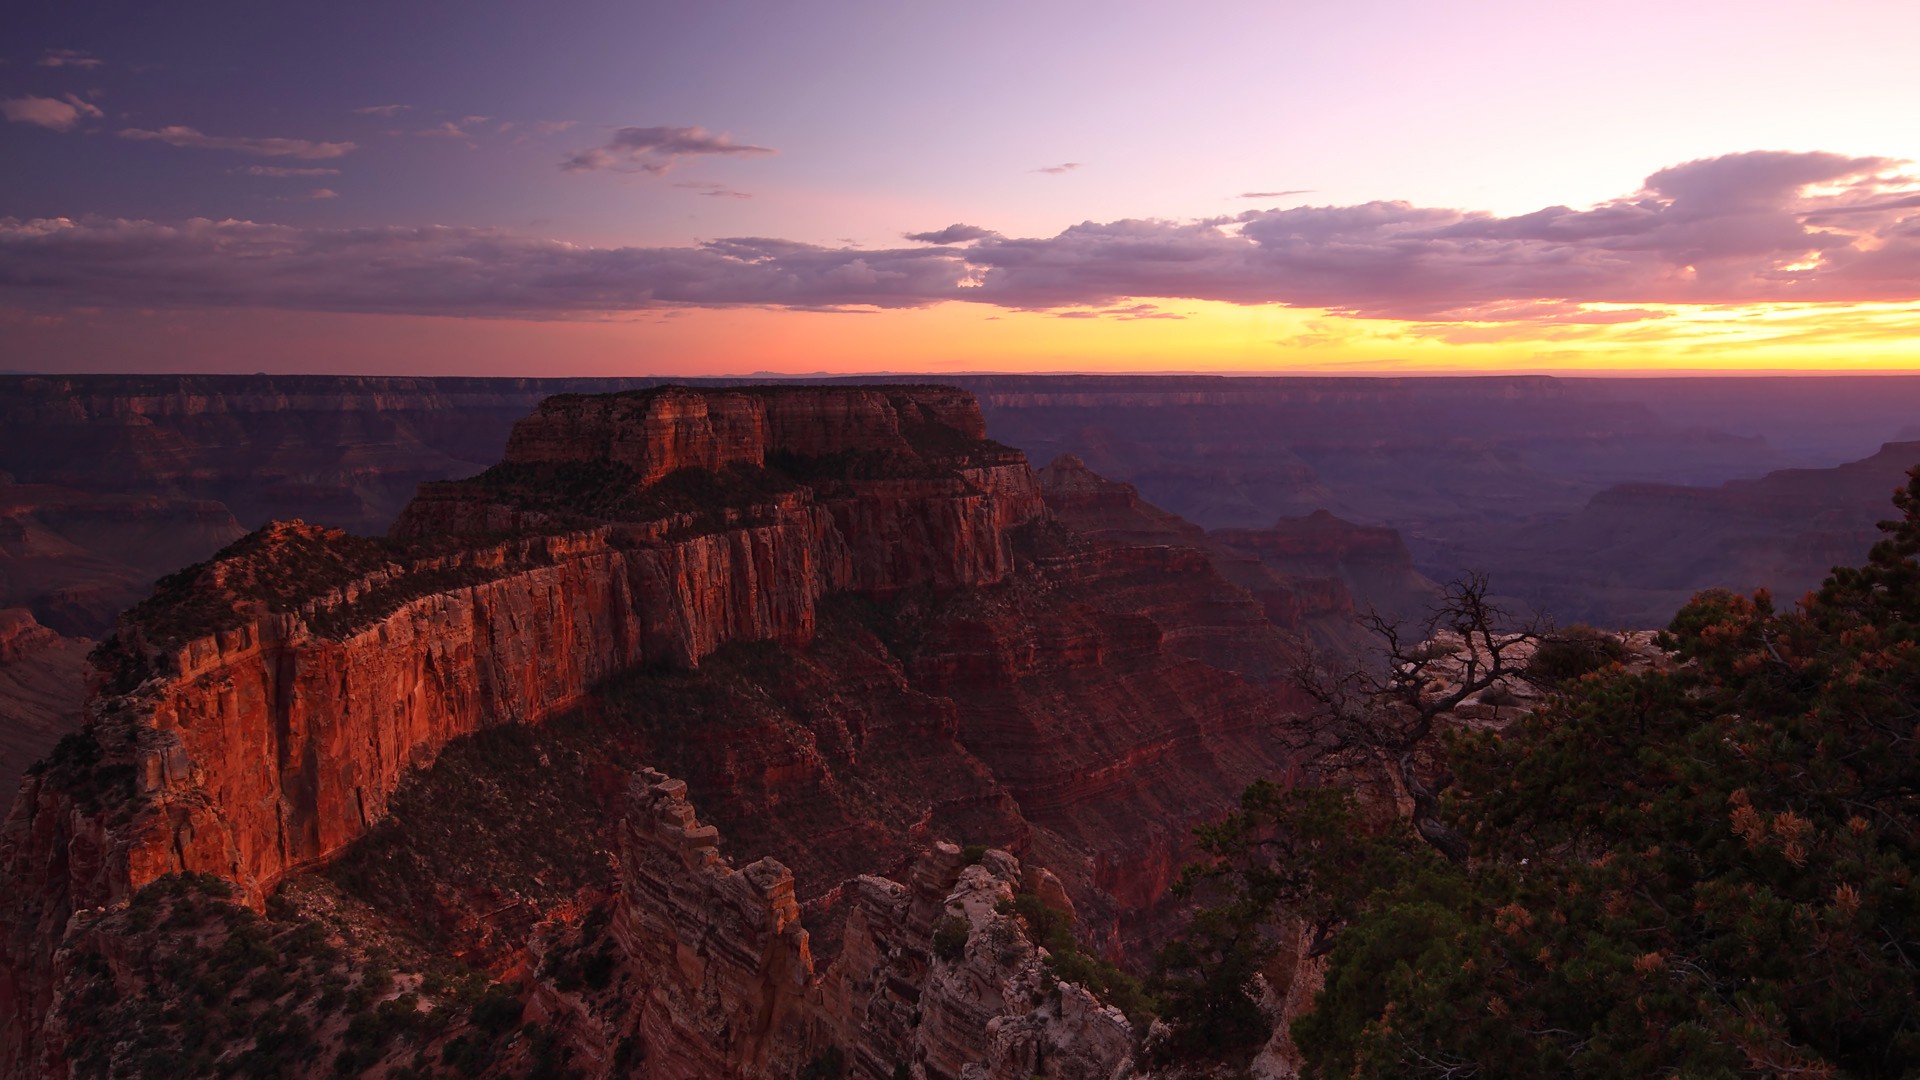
column 950, row 938
column 1052, row 929
column 1573, row 652
column 1705, row 870
column 1499, row 697
column 498, row 1010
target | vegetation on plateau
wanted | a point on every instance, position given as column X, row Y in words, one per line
column 1704, row 871
column 186, row 982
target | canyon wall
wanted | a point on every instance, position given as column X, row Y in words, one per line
column 848, row 621
column 277, row 735
column 1459, row 466
column 1636, row 552
column 345, row 450
column 43, row 686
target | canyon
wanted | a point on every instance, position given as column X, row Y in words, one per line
column 1457, row 466
column 452, row 663
column 843, row 618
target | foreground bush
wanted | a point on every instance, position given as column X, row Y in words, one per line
column 1707, row 871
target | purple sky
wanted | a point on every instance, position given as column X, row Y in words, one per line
column 1297, row 185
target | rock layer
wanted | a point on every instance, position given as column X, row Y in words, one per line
column 271, row 741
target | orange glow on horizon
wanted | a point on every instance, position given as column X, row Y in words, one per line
column 964, row 338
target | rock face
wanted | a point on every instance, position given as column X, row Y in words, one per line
column 936, row 978
column 42, row 688
column 720, row 960
column 842, row 616
column 259, row 730
column 1308, row 575
column 557, row 614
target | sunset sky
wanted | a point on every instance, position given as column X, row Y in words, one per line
column 724, row 188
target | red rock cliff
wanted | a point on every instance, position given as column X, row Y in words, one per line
column 276, row 736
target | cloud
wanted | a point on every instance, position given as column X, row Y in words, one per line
column 54, row 58
column 1125, row 313
column 323, row 193
column 177, row 135
column 1273, row 194
column 440, row 270
column 290, row 170
column 1742, row 229
column 56, row 113
column 453, row 129
column 656, row 149
column 1063, row 167
column 953, row 234
column 381, row 110
column 549, row 127
column 713, row 190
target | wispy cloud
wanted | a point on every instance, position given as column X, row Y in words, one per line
column 1273, row 194
column 73, row 58
column 60, row 114
column 290, row 170
column 1125, row 313
column 382, row 110
column 178, row 135
column 1063, row 167
column 656, row 149
column 952, row 234
column 1743, row 229
column 713, row 190
column 453, row 129
column 440, row 270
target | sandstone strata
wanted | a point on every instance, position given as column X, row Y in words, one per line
column 272, row 740
column 911, row 645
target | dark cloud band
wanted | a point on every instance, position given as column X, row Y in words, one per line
column 1745, row 228
column 656, row 149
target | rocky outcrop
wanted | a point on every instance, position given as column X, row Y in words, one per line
column 1097, row 506
column 274, row 741
column 657, row 432
column 852, row 628
column 988, row 1007
column 276, row 734
column 937, row 978
column 720, row 964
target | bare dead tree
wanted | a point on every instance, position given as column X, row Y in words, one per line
column 1384, row 714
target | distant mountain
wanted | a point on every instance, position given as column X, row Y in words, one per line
column 1636, row 552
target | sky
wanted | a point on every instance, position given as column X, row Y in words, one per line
column 600, row 188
